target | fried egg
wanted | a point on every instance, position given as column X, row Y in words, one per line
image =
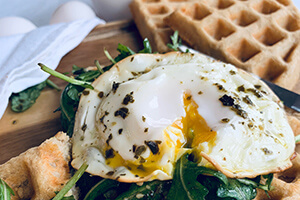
column 150, row 109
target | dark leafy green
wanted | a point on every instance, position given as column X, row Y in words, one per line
column 125, row 51
column 185, row 184
column 71, row 94
column 5, row 191
column 196, row 182
column 149, row 190
column 103, row 190
column 69, row 198
column 71, row 182
column 23, row 100
column 236, row 190
column 190, row 181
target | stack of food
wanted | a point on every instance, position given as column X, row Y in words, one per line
column 214, row 129
column 261, row 37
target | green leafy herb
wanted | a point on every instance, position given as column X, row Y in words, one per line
column 70, row 96
column 64, row 77
column 185, row 184
column 196, row 182
column 25, row 99
column 297, row 138
column 237, row 190
column 101, row 189
column 99, row 67
column 52, row 85
column 5, row 191
column 149, row 190
column 176, row 41
column 147, row 47
column 68, row 197
column 109, row 57
column 77, row 70
column 71, row 182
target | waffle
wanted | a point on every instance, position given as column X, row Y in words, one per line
column 286, row 184
column 260, row 36
column 148, row 16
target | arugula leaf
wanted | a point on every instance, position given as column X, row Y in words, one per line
column 147, row 47
column 101, row 188
column 25, row 99
column 297, row 138
column 70, row 96
column 125, row 51
column 65, row 78
column 176, row 41
column 71, row 182
column 5, row 191
column 99, row 67
column 77, row 70
column 149, row 190
column 237, row 190
column 52, row 85
column 69, row 198
column 185, row 184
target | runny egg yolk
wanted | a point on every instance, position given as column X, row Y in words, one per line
column 194, row 125
column 192, row 128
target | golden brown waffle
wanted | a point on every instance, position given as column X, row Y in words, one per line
column 148, row 16
column 286, row 184
column 260, row 36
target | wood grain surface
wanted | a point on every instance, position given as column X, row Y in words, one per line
column 20, row 131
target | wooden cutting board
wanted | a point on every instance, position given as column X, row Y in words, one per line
column 20, row 131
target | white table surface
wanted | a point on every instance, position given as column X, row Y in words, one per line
column 40, row 11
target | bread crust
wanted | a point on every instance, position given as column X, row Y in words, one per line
column 40, row 171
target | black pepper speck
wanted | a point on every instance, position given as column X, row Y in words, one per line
column 122, row 112
column 227, row 100
column 153, row 146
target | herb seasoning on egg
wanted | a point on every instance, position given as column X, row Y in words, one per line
column 122, row 112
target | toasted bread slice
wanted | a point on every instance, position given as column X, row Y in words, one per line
column 40, row 171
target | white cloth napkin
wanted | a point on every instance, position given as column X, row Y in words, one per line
column 20, row 54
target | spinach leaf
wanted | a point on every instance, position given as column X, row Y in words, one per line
column 68, row 104
column 25, row 99
column 237, row 190
column 103, row 190
column 5, row 191
column 185, row 184
column 149, row 190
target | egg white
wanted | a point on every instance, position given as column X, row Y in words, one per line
column 259, row 142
